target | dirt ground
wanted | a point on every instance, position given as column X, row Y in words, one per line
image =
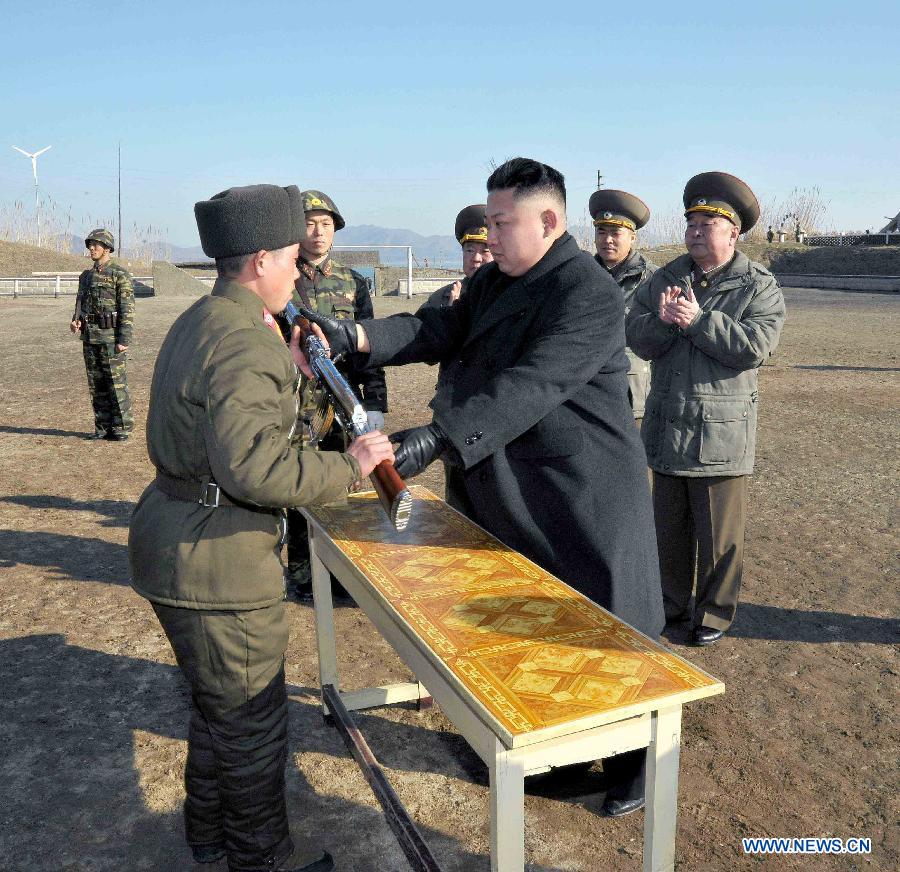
column 804, row 742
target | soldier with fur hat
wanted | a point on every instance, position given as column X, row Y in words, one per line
column 205, row 536
column 707, row 320
column 618, row 216
column 326, row 286
column 104, row 318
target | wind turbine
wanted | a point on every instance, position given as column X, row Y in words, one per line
column 37, row 202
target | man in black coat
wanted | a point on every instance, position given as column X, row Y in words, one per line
column 535, row 409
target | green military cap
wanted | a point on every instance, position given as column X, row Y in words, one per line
column 103, row 236
column 471, row 224
column 248, row 219
column 722, row 194
column 618, row 209
column 313, row 200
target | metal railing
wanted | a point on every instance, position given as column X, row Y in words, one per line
column 855, row 239
column 52, row 285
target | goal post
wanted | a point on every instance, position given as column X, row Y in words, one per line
column 409, row 260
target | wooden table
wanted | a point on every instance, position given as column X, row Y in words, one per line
column 530, row 672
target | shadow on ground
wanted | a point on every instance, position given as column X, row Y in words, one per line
column 116, row 512
column 755, row 621
column 73, row 722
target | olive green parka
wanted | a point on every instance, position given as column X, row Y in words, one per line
column 700, row 417
column 223, row 407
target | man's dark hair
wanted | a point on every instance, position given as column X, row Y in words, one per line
column 230, row 267
column 526, row 176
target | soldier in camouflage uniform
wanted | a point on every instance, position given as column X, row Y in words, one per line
column 617, row 216
column 328, row 287
column 104, row 316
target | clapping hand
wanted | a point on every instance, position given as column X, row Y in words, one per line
column 678, row 307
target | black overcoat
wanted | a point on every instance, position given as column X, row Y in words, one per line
column 535, row 404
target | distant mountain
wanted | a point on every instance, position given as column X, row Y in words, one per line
column 438, row 251
column 433, row 251
column 154, row 251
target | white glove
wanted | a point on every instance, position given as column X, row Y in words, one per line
column 375, row 420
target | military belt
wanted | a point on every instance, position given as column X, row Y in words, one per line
column 104, row 320
column 205, row 492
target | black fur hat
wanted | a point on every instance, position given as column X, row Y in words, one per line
column 253, row 218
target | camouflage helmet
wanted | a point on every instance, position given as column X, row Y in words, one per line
column 103, row 236
column 313, row 200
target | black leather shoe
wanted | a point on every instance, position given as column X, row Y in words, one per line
column 621, row 807
column 322, row 863
column 706, row 636
column 117, row 437
column 97, row 434
column 208, row 853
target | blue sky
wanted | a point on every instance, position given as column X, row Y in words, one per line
column 397, row 110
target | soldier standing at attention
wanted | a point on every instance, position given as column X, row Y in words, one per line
column 471, row 233
column 205, row 537
column 104, row 316
column 707, row 320
column 325, row 286
column 617, row 216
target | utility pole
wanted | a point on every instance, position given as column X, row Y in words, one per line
column 599, row 180
column 121, row 241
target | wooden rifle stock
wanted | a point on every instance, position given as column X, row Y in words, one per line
column 393, row 493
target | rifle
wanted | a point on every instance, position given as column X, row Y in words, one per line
column 346, row 408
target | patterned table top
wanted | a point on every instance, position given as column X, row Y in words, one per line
column 533, row 651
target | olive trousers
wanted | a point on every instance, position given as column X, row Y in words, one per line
column 700, row 533
column 237, row 736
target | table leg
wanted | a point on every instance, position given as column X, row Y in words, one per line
column 323, row 608
column 662, row 790
column 507, row 774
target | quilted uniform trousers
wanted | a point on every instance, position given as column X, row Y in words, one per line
column 237, row 736
column 700, row 531
column 108, row 385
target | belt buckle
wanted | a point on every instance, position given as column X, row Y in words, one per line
column 209, row 495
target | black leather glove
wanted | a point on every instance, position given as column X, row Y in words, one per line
column 340, row 332
column 419, row 446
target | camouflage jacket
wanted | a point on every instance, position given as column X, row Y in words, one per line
column 103, row 292
column 337, row 290
column 629, row 274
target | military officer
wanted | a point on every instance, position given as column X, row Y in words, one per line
column 618, row 216
column 205, row 537
column 471, row 233
column 707, row 320
column 104, row 317
column 326, row 286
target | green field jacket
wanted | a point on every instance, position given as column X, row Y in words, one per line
column 223, row 407
column 629, row 275
column 700, row 418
